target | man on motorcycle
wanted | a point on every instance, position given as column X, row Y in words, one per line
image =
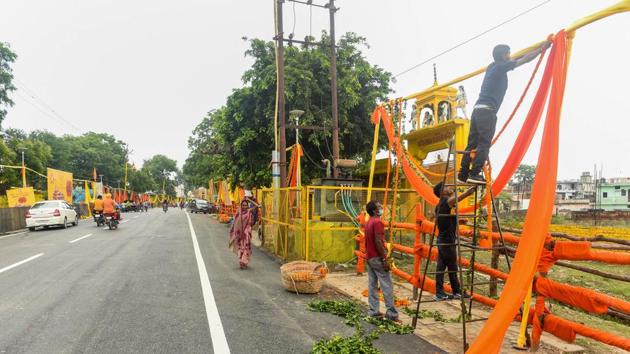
column 165, row 205
column 98, row 209
column 109, row 208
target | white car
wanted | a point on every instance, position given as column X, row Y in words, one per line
column 51, row 213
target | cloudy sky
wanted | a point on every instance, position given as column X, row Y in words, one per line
column 148, row 70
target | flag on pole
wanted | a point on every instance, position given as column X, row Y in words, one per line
column 94, row 173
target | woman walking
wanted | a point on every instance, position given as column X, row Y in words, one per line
column 241, row 234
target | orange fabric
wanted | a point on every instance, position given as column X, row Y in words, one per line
column 581, row 250
column 547, row 260
column 539, row 213
column 537, row 320
column 585, row 299
column 567, row 330
column 109, row 206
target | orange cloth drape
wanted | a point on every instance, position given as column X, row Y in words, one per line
column 539, row 213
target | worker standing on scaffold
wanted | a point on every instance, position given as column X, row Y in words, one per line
column 447, row 241
column 484, row 115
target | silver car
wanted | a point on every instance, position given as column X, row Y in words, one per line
column 51, row 213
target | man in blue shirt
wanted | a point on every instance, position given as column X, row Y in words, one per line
column 484, row 116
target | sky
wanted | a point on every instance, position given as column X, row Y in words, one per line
column 147, row 71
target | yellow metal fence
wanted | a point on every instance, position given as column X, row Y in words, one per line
column 318, row 223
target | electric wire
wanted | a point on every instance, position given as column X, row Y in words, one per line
column 471, row 39
column 30, row 97
column 44, row 112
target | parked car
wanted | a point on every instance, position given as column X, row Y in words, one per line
column 199, row 206
column 51, row 213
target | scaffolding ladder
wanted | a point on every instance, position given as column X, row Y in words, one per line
column 466, row 276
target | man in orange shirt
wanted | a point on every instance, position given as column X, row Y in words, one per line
column 98, row 205
column 109, row 207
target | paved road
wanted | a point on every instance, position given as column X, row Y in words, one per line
column 153, row 287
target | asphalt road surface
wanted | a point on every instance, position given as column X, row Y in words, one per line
column 161, row 283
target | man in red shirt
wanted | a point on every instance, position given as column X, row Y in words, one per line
column 378, row 267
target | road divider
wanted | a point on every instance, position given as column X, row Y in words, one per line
column 217, row 334
column 20, row 263
column 80, row 238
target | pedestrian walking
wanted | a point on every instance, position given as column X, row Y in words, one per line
column 241, row 234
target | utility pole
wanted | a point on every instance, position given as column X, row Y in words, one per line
column 282, row 148
column 163, row 181
column 333, row 88
column 23, row 168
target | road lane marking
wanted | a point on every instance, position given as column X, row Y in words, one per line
column 80, row 238
column 137, row 216
column 124, row 221
column 20, row 262
column 219, row 342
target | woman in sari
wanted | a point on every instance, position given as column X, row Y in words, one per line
column 241, row 234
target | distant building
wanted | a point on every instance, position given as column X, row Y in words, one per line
column 614, row 194
column 180, row 192
column 569, row 205
column 582, row 188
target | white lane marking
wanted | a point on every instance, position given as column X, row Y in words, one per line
column 80, row 238
column 137, row 216
column 15, row 234
column 20, row 262
column 219, row 342
column 124, row 221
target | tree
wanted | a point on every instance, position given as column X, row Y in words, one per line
column 98, row 150
column 141, row 181
column 7, row 57
column 161, row 169
column 37, row 155
column 523, row 179
column 8, row 177
column 525, row 174
column 236, row 140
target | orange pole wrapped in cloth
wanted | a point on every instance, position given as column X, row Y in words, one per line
column 587, row 300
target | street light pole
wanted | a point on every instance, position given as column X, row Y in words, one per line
column 333, row 88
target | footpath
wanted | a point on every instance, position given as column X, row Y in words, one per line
column 442, row 333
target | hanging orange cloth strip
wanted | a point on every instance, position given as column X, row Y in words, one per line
column 538, row 215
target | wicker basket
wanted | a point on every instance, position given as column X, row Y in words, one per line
column 303, row 277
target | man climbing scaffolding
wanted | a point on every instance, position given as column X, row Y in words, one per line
column 484, row 115
column 447, row 240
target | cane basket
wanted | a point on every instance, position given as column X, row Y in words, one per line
column 303, row 277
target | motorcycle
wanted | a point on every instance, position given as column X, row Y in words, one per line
column 99, row 219
column 165, row 207
column 111, row 221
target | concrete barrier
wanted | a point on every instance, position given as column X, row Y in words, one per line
column 12, row 219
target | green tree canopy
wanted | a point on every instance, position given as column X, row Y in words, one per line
column 79, row 155
column 163, row 171
column 524, row 175
column 7, row 58
column 236, row 140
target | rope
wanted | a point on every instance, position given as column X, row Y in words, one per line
column 520, row 100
